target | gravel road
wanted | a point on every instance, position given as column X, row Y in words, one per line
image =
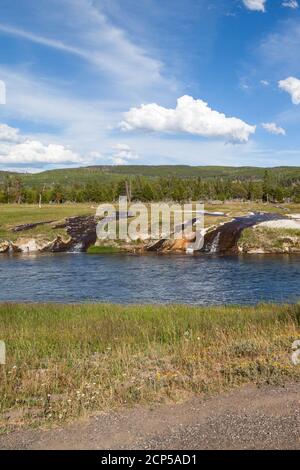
column 248, row 418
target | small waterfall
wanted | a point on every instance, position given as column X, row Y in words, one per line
column 215, row 244
column 77, row 248
column 82, row 231
column 224, row 239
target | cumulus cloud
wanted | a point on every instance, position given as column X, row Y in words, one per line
column 9, row 134
column 16, row 149
column 255, row 5
column 291, row 4
column 190, row 116
column 292, row 86
column 33, row 151
column 122, row 154
column 273, row 128
column 264, row 82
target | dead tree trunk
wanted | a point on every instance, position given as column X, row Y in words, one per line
column 128, row 191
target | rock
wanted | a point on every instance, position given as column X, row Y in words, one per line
column 285, row 224
column 256, row 251
column 225, row 238
column 33, row 245
column 58, row 245
column 22, row 228
column 27, row 245
column 189, row 236
column 57, row 225
column 4, row 247
column 82, row 230
column 289, row 240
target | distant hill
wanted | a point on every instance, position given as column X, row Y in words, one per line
column 106, row 173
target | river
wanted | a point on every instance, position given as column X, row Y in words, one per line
column 195, row 280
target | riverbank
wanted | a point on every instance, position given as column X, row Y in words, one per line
column 68, row 361
column 71, row 227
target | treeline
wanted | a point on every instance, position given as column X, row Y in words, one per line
column 13, row 190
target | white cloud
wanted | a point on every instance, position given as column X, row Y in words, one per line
column 273, row 128
column 292, row 86
column 122, row 154
column 265, row 82
column 190, row 116
column 53, row 43
column 33, row 151
column 255, row 5
column 291, row 4
column 9, row 134
column 17, row 149
column 88, row 34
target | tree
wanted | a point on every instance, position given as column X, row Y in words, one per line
column 8, row 187
column 267, row 186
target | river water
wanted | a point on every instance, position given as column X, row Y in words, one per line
column 196, row 280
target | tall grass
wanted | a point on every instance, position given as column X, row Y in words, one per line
column 67, row 361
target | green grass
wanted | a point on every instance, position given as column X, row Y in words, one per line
column 67, row 361
column 271, row 240
column 102, row 250
column 19, row 214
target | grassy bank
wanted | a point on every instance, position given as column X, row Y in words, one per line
column 270, row 240
column 18, row 214
column 67, row 361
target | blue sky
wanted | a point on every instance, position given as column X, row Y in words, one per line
column 98, row 82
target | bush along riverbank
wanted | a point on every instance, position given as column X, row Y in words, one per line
column 66, row 361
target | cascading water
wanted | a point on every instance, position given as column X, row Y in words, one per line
column 82, row 230
column 77, row 248
column 224, row 239
column 215, row 244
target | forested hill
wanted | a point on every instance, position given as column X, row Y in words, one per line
column 146, row 183
column 114, row 173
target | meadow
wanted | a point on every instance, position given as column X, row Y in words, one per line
column 12, row 215
column 67, row 361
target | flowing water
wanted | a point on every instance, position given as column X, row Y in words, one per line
column 224, row 238
column 197, row 280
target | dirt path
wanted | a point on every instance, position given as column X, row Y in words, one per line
column 249, row 418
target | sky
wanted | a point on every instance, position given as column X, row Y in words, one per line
column 114, row 82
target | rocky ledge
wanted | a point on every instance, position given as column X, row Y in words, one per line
column 255, row 233
column 80, row 234
column 4, row 247
column 33, row 245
